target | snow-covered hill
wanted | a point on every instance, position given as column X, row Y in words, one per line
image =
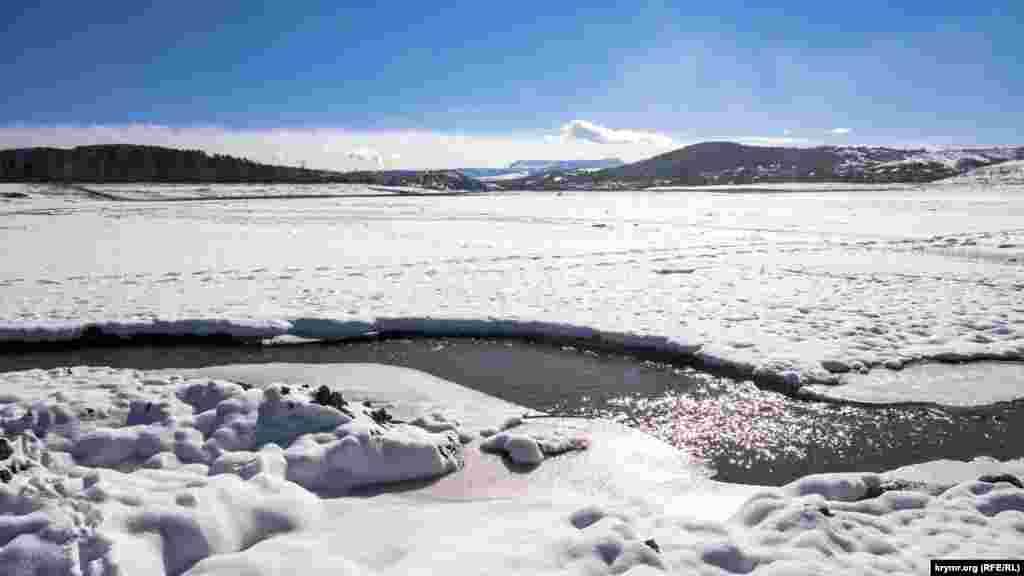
column 718, row 163
column 1005, row 173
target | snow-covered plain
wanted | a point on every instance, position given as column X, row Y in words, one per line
column 793, row 289
column 129, row 472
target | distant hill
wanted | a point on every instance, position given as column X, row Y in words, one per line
column 728, row 162
column 550, row 165
column 133, row 163
column 1004, row 173
column 433, row 179
column 710, row 163
column 524, row 168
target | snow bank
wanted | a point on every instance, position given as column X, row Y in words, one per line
column 788, row 372
column 416, row 397
column 109, row 471
column 62, row 331
column 174, row 422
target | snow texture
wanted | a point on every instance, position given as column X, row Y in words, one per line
column 970, row 384
column 787, row 289
column 958, row 158
column 531, row 448
column 116, row 469
column 84, row 499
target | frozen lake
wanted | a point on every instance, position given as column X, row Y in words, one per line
column 789, row 287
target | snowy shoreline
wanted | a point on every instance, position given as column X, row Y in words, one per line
column 789, row 378
column 230, row 470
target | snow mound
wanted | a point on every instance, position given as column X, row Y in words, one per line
column 202, row 422
column 532, row 447
column 205, row 517
column 827, row 524
column 107, row 470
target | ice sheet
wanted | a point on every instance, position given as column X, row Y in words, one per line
column 971, row 384
column 795, row 288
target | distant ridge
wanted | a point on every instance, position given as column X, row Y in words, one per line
column 732, row 163
column 711, row 163
column 706, row 163
column 521, row 168
column 547, row 165
column 135, row 163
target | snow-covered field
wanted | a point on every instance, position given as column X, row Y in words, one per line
column 235, row 471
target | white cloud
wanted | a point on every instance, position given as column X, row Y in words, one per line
column 590, row 132
column 840, row 131
column 330, row 148
column 787, row 132
column 775, row 141
column 366, row 155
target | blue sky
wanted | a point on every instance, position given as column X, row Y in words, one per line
column 446, row 83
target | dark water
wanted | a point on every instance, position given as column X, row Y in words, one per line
column 744, row 433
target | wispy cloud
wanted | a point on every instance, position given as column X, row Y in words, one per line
column 591, row 132
column 840, row 131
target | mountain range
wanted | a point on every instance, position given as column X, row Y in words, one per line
column 526, row 168
column 707, row 163
column 710, row 163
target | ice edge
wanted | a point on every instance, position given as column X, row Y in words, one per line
column 784, row 373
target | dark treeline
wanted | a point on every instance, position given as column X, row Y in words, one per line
column 132, row 163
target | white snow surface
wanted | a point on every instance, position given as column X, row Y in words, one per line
column 626, row 504
column 795, row 288
column 969, row 384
